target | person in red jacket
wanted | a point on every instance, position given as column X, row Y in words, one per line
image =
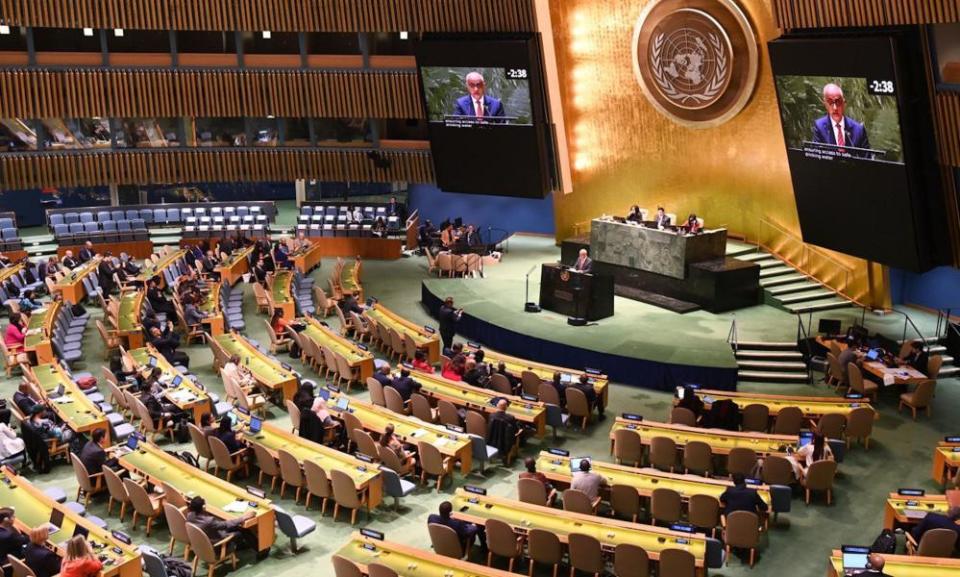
column 79, row 560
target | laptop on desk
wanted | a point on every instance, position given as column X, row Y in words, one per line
column 854, row 558
column 56, row 520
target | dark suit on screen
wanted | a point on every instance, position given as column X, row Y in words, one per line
column 854, row 133
column 491, row 107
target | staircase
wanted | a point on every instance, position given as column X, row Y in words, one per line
column 770, row 362
column 788, row 288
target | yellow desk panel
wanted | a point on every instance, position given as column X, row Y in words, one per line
column 721, row 441
column 898, row 508
column 267, row 371
column 187, row 396
column 151, row 269
column 812, row 407
column 424, row 339
column 322, row 335
column 281, row 294
column 411, row 561
column 946, row 461
column 236, row 265
column 78, row 412
column 39, row 329
column 904, row 566
column 71, row 285
column 211, row 306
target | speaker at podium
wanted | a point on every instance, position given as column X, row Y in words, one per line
column 581, row 296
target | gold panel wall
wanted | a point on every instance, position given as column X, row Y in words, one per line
column 624, row 152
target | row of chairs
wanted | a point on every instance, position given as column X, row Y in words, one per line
column 335, row 209
column 324, row 360
column 97, row 232
column 446, row 263
column 10, row 239
column 227, row 230
column 348, row 230
column 158, row 216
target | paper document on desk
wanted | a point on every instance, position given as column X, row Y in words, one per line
column 889, row 379
column 182, row 397
column 63, row 400
column 417, row 434
column 237, row 507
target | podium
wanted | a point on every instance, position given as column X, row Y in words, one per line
column 575, row 294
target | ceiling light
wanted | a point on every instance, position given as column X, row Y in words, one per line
column 404, row 35
column 88, row 31
column 118, row 32
column 266, row 34
column 4, row 29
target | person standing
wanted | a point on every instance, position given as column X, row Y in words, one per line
column 449, row 317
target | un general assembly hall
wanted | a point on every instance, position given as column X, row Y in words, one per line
column 480, row 288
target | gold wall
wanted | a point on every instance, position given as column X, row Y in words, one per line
column 624, row 152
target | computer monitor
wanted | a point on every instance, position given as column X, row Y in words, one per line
column 80, row 531
column 806, row 437
column 873, row 354
column 324, row 394
column 255, row 425
column 176, row 381
column 132, row 442
column 566, row 378
column 152, row 361
column 56, row 519
column 575, row 463
column 829, row 326
column 343, row 403
column 854, row 558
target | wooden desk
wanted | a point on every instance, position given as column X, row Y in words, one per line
column 610, row 532
column 155, row 465
column 267, row 371
column 904, row 566
column 71, row 285
column 366, row 476
column 946, row 461
column 8, row 272
column 531, row 413
column 282, row 296
column 721, row 441
column 904, row 375
column 405, row 560
column 323, row 335
column 410, row 430
column 33, row 508
column 645, row 480
column 135, row 248
column 901, row 510
column 305, row 259
column 516, row 366
column 187, row 396
column 151, row 269
column 350, row 278
column 214, row 321
column 812, row 407
column 39, row 331
column 80, row 414
column 366, row 247
column 236, row 265
column 427, row 341
column 128, row 319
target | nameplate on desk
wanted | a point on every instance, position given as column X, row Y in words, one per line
column 559, row 452
column 592, row 371
column 243, row 410
column 475, row 490
column 694, row 386
column 632, row 416
column 527, row 397
column 429, row 329
column 333, row 388
column 285, row 366
column 683, row 527
column 324, row 323
column 956, row 449
column 258, row 493
column 473, row 345
column 952, row 439
column 454, row 428
column 406, row 365
column 362, row 347
column 750, row 481
column 363, row 457
column 911, row 492
column 122, row 537
column 372, row 534
column 853, row 396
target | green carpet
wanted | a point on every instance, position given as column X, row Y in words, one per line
column 797, row 546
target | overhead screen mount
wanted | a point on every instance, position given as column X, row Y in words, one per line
column 486, row 110
column 859, row 142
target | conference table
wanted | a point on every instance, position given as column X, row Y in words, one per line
column 529, row 413
column 812, row 407
column 74, row 408
column 128, row 318
column 523, row 517
column 406, row 560
column 308, row 257
column 186, row 395
column 211, row 305
column 350, row 278
column 39, row 332
column 235, row 266
column 34, row 507
column 557, row 469
column 281, row 294
column 223, row 498
column 721, row 441
column 268, row 372
column 425, row 338
column 366, row 476
column 6, row 273
column 71, row 285
column 901, row 375
column 155, row 269
column 946, row 461
column 908, row 510
column 516, row 366
column 323, row 336
column 903, row 566
column 410, row 430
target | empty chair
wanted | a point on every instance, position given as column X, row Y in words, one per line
column 683, row 416
column 118, row 493
column 627, row 447
column 778, row 470
column 756, row 417
column 267, row 464
column 820, row 477
column 290, row 473
column 665, row 505
column 698, row 458
column 293, row 526
column 625, row 502
column 578, row 502
column 743, row 532
column 393, row 485
column 858, row 384
column 832, row 425
column 631, row 561
column 663, row 453
column 318, row 485
column 677, row 563
column 544, row 547
column 503, row 542
column 433, row 463
column 860, row 425
column 789, row 420
column 703, row 512
column 919, row 398
column 144, row 504
column 741, row 460
column 345, row 495
column 585, row 554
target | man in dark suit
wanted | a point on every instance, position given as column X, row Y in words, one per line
column 394, row 208
column 836, row 128
column 937, row 521
column 405, row 385
column 741, row 498
column 12, row 541
column 584, row 385
column 93, row 456
column 583, row 263
column 449, row 317
column 69, row 261
column 383, row 375
column 477, row 103
column 87, row 252
column 661, row 220
column 876, row 563
column 105, row 272
column 226, row 245
column 466, row 532
column 167, row 345
column 917, row 357
column 216, row 529
column 472, row 237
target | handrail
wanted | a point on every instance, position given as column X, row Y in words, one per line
column 804, row 337
column 733, row 335
column 803, row 261
column 907, row 322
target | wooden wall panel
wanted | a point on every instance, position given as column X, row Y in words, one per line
column 947, row 117
column 195, row 93
column 279, row 15
column 26, row 171
column 793, row 14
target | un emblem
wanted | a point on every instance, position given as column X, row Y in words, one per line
column 696, row 60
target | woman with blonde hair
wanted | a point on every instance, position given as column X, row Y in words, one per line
column 79, row 560
column 38, row 557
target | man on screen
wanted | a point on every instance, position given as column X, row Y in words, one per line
column 477, row 103
column 835, row 127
